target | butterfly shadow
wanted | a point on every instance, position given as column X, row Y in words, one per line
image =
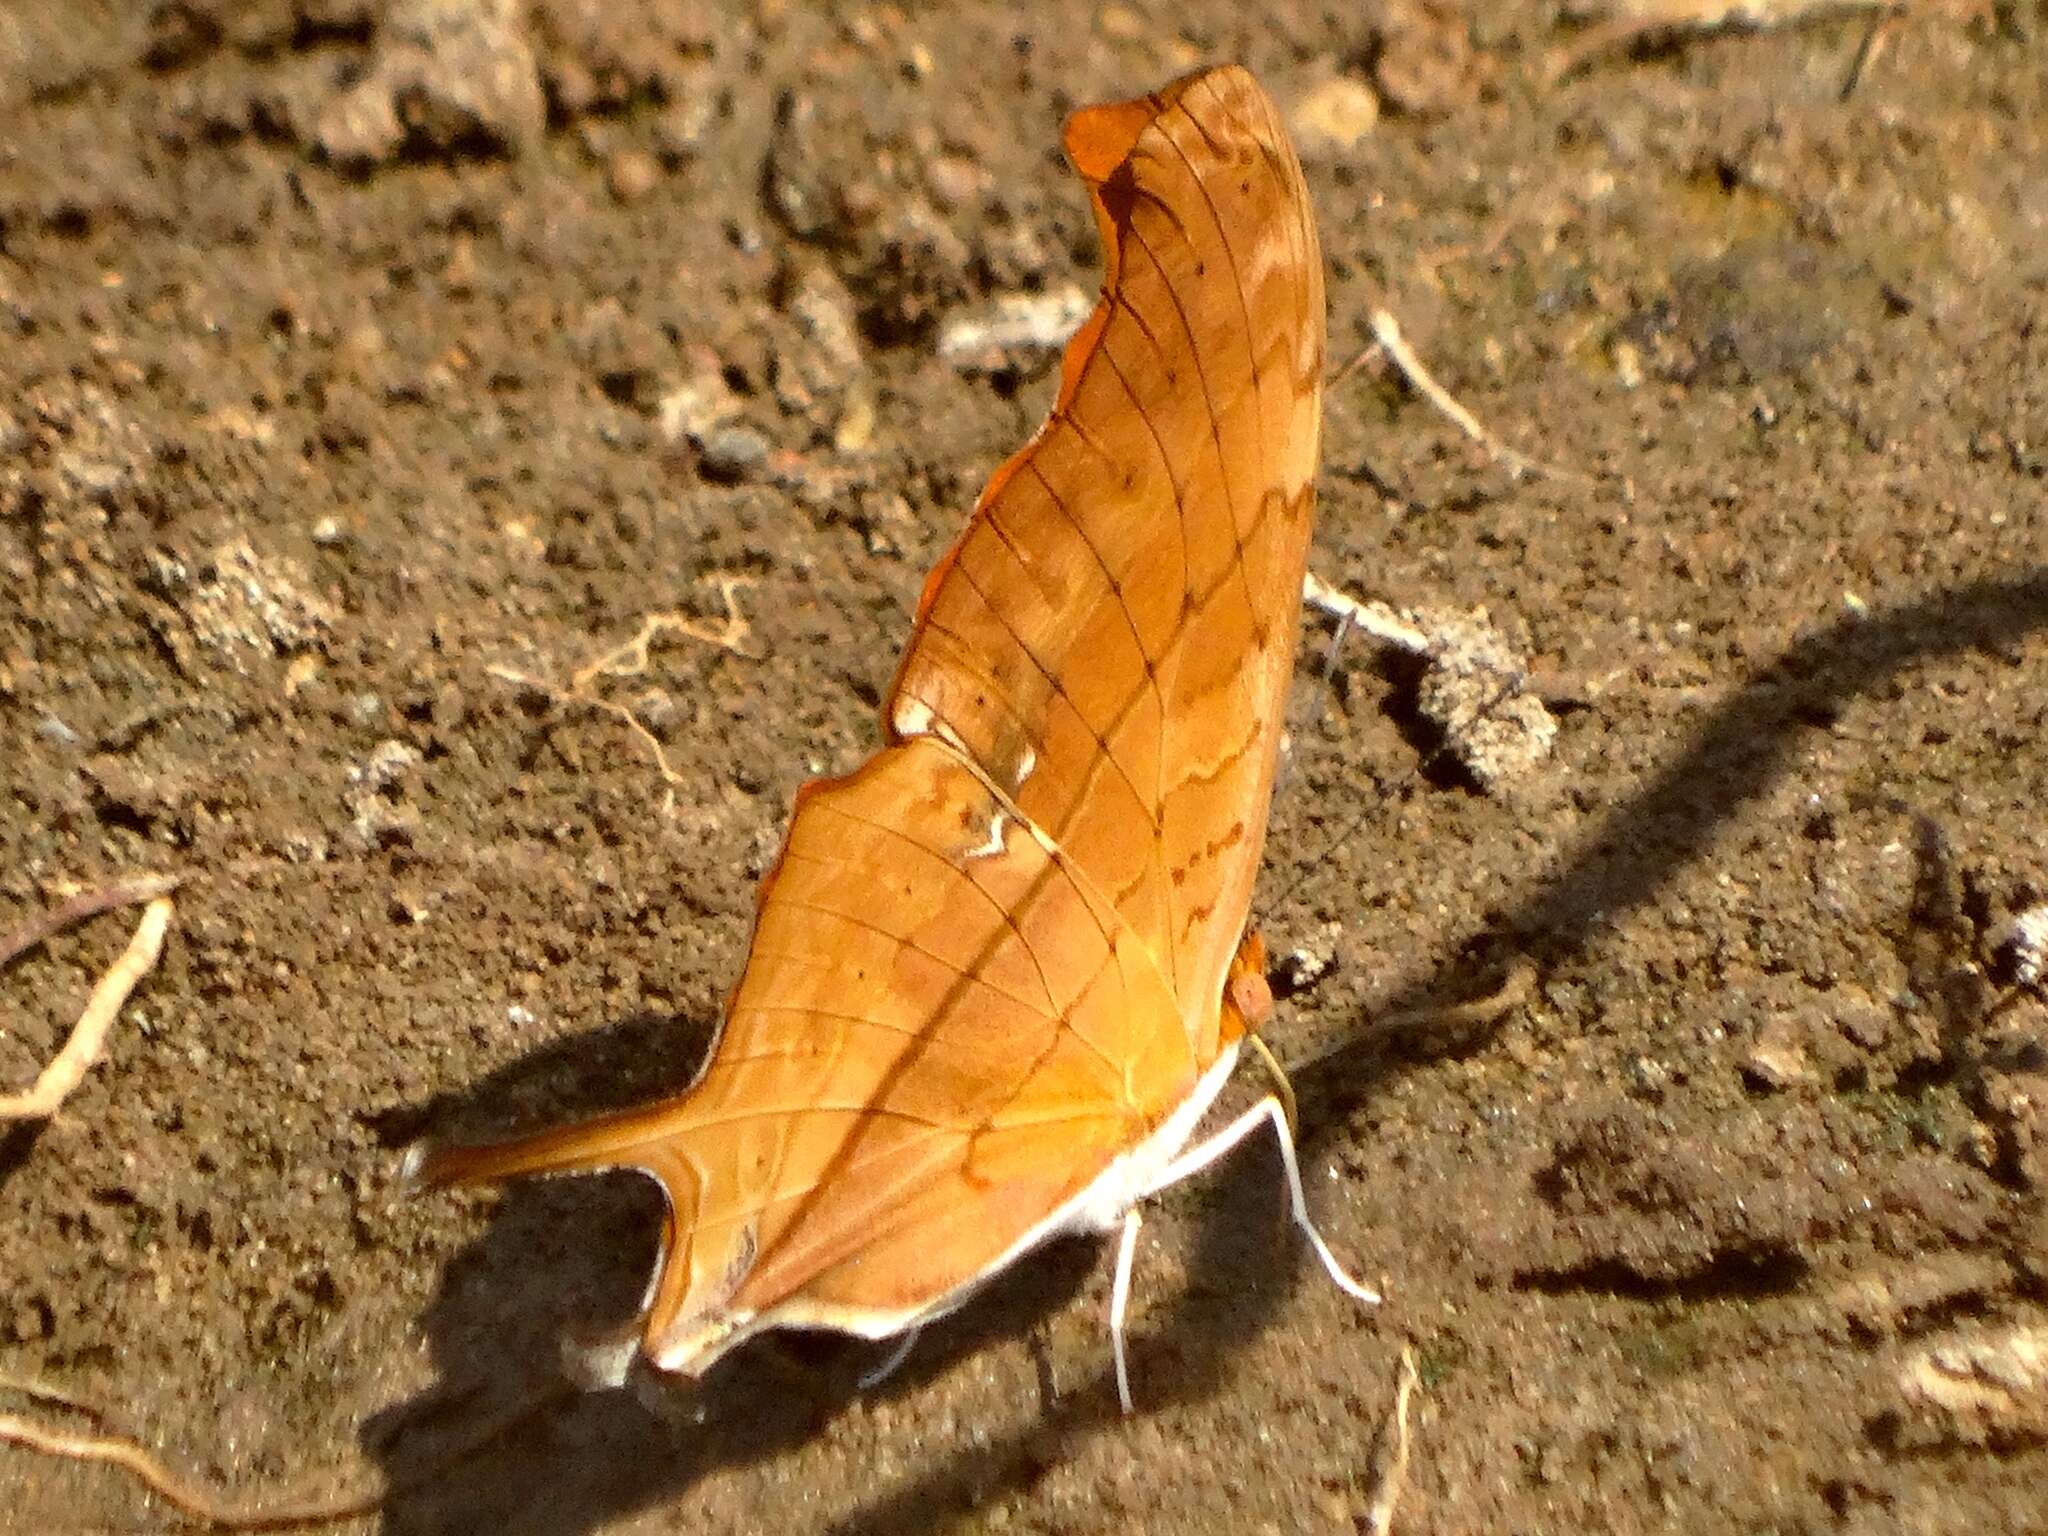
column 1739, row 751
column 571, row 1257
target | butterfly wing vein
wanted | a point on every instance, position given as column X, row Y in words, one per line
column 991, row 960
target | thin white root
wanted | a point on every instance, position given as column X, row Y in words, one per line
column 1386, row 330
column 1368, row 617
column 30, row 932
column 632, row 659
column 89, row 1035
column 1480, row 1012
column 37, row 1390
column 1379, row 1515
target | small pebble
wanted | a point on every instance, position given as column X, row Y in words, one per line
column 1300, row 969
column 1776, row 1062
column 1012, row 322
column 679, row 132
column 632, row 174
column 955, row 181
column 2023, row 951
column 733, row 453
column 1336, row 114
column 1976, row 1387
column 1862, row 1019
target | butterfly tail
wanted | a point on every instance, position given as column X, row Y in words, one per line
column 687, row 1323
column 611, row 1141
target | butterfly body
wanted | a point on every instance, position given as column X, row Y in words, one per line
column 996, row 976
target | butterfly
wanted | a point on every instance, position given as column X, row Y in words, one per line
column 1001, row 971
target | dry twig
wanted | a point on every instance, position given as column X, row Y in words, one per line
column 1451, row 1019
column 1376, row 619
column 88, row 1036
column 30, row 932
column 1386, row 332
column 632, row 659
column 221, row 1510
column 1875, row 36
column 1379, row 1515
column 1669, row 18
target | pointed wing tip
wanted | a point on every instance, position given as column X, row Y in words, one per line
column 1100, row 138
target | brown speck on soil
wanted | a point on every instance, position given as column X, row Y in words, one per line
column 352, row 350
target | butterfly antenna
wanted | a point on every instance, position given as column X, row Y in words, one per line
column 1315, row 860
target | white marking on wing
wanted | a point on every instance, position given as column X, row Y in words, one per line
column 994, row 845
column 911, row 717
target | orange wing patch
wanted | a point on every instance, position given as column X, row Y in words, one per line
column 987, row 988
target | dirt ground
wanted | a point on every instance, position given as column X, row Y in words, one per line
column 365, row 371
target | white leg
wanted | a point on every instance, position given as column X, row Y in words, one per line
column 875, row 1375
column 1268, row 1111
column 1344, row 624
column 1120, row 1300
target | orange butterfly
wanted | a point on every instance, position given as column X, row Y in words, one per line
column 1002, row 971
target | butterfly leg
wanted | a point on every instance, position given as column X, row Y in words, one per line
column 875, row 1375
column 1283, row 1087
column 1120, row 1301
column 1268, row 1111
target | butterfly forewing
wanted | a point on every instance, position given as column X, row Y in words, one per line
column 990, row 962
column 1111, row 638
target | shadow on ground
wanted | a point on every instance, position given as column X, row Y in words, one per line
column 571, row 1257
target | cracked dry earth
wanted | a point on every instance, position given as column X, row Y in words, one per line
column 359, row 359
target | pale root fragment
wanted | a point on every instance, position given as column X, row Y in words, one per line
column 1446, row 1022
column 89, row 1035
column 1387, row 336
column 1393, row 1452
column 219, row 1508
column 1983, row 1387
column 181, row 1493
column 982, row 339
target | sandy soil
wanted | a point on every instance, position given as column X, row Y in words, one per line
column 355, row 362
